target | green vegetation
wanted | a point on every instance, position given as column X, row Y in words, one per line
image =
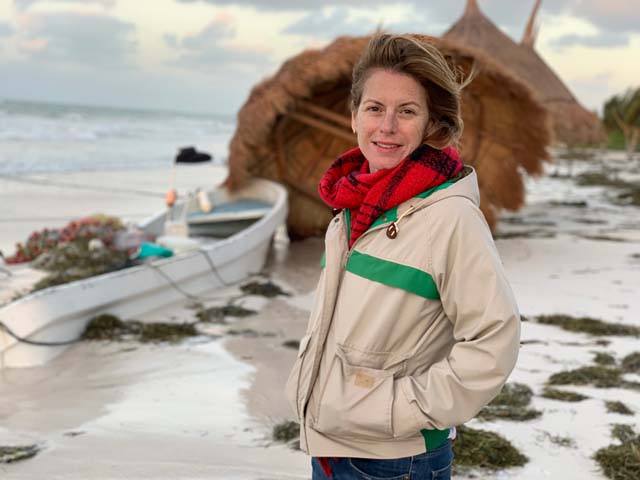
column 621, row 462
column 631, row 363
column 604, row 359
column 602, row 377
column 10, row 454
column 218, row 314
column 286, row 431
column 481, row 448
column 618, row 407
column 110, row 327
column 622, row 114
column 511, row 404
column 622, row 432
column 562, row 395
column 266, row 289
column 588, row 325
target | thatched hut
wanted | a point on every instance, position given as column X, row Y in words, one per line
column 572, row 123
column 297, row 122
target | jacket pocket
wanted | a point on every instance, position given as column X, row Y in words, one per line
column 292, row 387
column 357, row 399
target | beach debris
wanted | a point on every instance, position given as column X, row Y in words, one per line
column 110, row 327
column 98, row 226
column 10, row 454
column 616, row 406
column 294, row 344
column 588, row 325
column 266, row 289
column 249, row 332
column 621, row 462
column 567, row 203
column 630, row 191
column 532, row 233
column 286, row 431
column 631, row 363
column 511, row 404
column 598, row 376
column 622, row 432
column 562, row 395
column 604, row 359
column 560, row 440
column 481, row 448
column 218, row 314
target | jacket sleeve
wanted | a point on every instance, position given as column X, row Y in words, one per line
column 478, row 301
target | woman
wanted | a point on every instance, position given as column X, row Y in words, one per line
column 414, row 327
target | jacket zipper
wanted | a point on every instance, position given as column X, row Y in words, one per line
column 409, row 210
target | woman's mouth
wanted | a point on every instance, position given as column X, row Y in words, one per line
column 386, row 146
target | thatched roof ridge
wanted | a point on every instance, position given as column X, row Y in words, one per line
column 569, row 117
column 531, row 31
column 295, row 123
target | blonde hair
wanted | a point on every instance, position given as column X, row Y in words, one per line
column 428, row 66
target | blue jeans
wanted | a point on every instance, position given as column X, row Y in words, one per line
column 433, row 465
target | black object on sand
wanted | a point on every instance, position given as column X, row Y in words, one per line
column 190, row 155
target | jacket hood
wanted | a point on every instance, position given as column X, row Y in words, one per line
column 466, row 185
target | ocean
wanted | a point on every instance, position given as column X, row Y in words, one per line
column 40, row 137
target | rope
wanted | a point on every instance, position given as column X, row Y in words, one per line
column 36, row 342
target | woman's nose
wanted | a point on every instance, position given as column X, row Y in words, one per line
column 389, row 122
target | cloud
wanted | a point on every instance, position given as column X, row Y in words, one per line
column 602, row 40
column 329, row 24
column 82, row 39
column 290, row 5
column 210, row 50
column 25, row 4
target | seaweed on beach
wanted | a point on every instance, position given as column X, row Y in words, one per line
column 616, row 406
column 481, row 448
column 265, row 289
column 533, row 233
column 560, row 440
column 294, row 344
column 566, row 203
column 631, row 363
column 218, row 314
column 621, row 462
column 630, row 191
column 562, row 395
column 249, row 332
column 599, row 376
column 511, row 404
column 110, row 327
column 622, row 432
column 604, row 359
column 286, row 431
column 14, row 453
column 588, row 325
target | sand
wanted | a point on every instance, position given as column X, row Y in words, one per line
column 205, row 408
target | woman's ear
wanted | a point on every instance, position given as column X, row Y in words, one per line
column 353, row 121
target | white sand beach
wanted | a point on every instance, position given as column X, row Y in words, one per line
column 205, row 408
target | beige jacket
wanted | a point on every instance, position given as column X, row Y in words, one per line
column 410, row 333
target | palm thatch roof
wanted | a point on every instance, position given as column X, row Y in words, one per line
column 297, row 122
column 572, row 123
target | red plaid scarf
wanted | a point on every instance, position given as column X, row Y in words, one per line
column 348, row 183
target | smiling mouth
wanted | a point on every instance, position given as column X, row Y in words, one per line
column 386, row 146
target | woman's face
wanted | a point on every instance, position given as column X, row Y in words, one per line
column 391, row 119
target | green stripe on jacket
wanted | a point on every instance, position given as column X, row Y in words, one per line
column 393, row 274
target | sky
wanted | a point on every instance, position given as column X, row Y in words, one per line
column 203, row 56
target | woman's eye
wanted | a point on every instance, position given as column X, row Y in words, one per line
column 408, row 112
column 373, row 108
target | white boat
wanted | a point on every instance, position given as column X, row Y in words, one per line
column 62, row 312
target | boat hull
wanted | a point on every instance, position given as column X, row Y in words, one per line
column 62, row 312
